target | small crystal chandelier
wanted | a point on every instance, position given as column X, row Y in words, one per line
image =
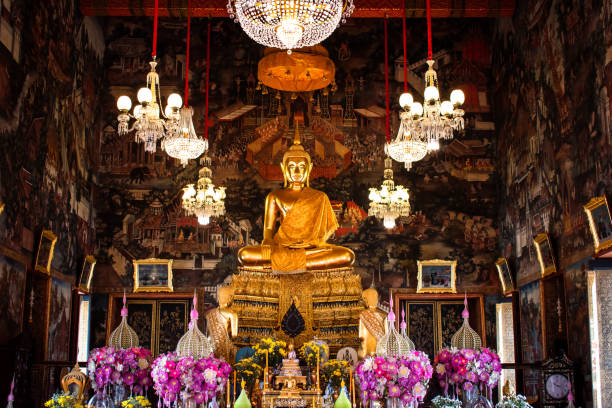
column 391, row 201
column 424, row 125
column 289, row 24
column 151, row 122
column 207, row 201
column 181, row 141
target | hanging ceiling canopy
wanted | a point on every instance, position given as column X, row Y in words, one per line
column 306, row 69
column 363, row 8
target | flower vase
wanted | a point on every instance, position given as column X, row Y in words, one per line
column 469, row 397
column 394, row 402
column 118, row 395
column 102, row 400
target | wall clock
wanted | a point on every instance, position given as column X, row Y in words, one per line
column 556, row 377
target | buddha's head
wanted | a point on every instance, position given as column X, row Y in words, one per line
column 370, row 297
column 296, row 164
column 224, row 295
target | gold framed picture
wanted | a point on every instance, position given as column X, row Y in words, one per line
column 45, row 252
column 600, row 222
column 505, row 276
column 87, row 273
column 153, row 275
column 436, row 276
column 545, row 254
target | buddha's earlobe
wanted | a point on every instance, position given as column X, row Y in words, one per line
column 308, row 175
column 282, row 166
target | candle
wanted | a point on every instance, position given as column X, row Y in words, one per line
column 228, row 393
column 351, row 384
column 234, row 399
column 318, row 385
column 353, row 387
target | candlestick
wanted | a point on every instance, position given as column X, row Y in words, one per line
column 234, row 396
column 228, row 393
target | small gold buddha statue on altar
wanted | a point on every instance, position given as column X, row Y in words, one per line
column 372, row 323
column 222, row 325
column 306, row 220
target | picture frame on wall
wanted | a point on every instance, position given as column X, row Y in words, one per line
column 546, row 256
column 436, row 276
column 13, row 275
column 153, row 275
column 505, row 276
column 600, row 222
column 87, row 273
column 44, row 255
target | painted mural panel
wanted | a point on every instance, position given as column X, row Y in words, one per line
column 12, row 286
column 59, row 320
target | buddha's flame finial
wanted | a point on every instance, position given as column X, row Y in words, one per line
column 124, row 311
column 465, row 314
column 391, row 316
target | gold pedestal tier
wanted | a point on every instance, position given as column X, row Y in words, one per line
column 328, row 300
column 292, row 398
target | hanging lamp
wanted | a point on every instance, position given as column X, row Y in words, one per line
column 182, row 142
column 424, row 125
column 151, row 122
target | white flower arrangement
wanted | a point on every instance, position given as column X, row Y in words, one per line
column 513, row 401
column 445, row 402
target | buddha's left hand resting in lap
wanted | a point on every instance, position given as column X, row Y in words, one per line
column 306, row 220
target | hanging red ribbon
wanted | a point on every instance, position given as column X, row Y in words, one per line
column 429, row 52
column 187, row 57
column 387, row 79
column 405, row 59
column 207, row 80
column 154, row 53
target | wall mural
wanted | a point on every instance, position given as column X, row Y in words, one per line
column 453, row 192
column 552, row 76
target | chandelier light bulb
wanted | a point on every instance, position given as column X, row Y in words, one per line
column 446, row 108
column 169, row 111
column 416, row 109
column 188, row 192
column 405, row 100
column 138, row 111
column 389, row 222
column 289, row 33
column 124, row 103
column 431, row 94
column 144, row 95
column 433, row 145
column 457, row 97
column 175, row 101
column 203, row 219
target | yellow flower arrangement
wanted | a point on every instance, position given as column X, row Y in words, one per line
column 136, row 402
column 63, row 401
column 248, row 370
column 309, row 352
column 335, row 371
column 277, row 350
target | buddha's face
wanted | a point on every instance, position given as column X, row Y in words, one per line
column 297, row 169
column 224, row 296
column 370, row 297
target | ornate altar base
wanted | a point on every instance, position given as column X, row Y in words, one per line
column 329, row 301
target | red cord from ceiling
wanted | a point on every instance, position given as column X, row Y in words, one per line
column 387, row 79
column 187, row 59
column 429, row 52
column 207, row 80
column 405, row 60
column 154, row 53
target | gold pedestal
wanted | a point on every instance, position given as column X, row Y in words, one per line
column 328, row 300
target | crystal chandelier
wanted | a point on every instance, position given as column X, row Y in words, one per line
column 181, row 140
column 150, row 122
column 391, row 201
column 207, row 201
column 289, row 24
column 424, row 125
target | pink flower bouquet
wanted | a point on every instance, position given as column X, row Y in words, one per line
column 131, row 368
column 183, row 378
column 406, row 378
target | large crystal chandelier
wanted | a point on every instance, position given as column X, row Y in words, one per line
column 181, row 141
column 424, row 125
column 391, row 201
column 207, row 201
column 150, row 121
column 289, row 24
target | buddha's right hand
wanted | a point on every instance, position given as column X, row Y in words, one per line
column 266, row 252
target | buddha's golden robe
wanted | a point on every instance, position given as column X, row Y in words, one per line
column 218, row 331
column 309, row 222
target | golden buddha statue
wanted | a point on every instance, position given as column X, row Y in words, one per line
column 222, row 325
column 372, row 323
column 306, row 220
